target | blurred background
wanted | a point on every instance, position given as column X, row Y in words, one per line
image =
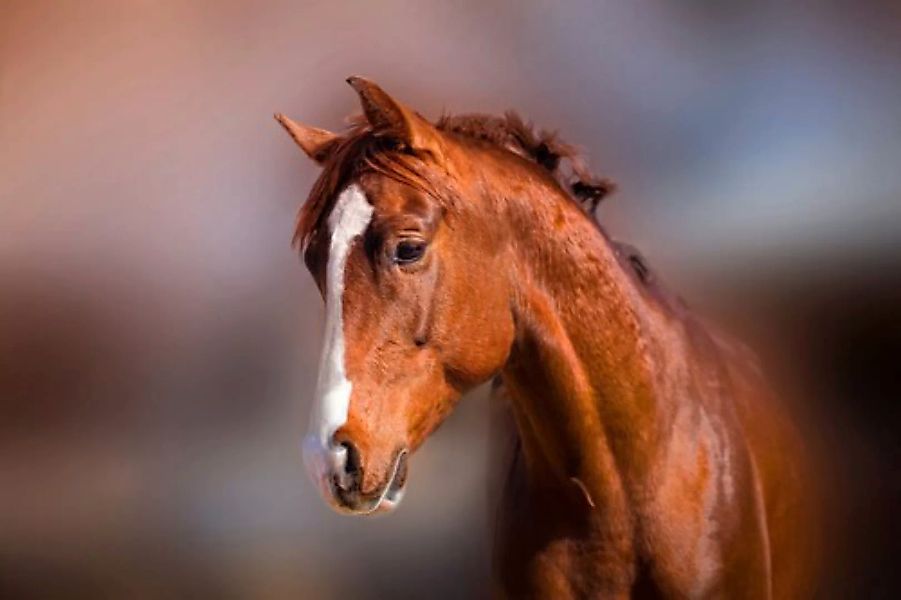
column 159, row 336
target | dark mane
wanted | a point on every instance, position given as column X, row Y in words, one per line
column 544, row 148
column 359, row 151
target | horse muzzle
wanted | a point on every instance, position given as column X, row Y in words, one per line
column 337, row 470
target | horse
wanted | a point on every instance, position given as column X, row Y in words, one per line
column 651, row 458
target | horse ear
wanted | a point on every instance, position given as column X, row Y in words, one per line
column 317, row 143
column 388, row 117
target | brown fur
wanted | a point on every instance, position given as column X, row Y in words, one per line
column 651, row 458
column 361, row 150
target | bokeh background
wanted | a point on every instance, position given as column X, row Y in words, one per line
column 159, row 337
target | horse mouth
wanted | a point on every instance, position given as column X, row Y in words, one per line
column 385, row 499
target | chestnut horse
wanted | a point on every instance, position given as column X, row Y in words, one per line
column 651, row 461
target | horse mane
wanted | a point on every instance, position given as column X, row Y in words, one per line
column 359, row 150
column 545, row 148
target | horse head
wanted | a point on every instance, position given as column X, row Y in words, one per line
column 417, row 297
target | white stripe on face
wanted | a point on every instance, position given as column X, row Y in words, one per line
column 348, row 220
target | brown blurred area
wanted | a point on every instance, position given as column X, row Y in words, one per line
column 159, row 337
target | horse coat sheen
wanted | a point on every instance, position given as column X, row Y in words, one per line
column 650, row 458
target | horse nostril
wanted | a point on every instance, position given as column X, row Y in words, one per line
column 353, row 458
column 352, row 477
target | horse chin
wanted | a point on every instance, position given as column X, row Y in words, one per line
column 383, row 504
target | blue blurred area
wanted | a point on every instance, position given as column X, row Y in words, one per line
column 159, row 337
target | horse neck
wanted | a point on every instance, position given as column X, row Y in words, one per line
column 590, row 353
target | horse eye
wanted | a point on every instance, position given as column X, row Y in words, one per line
column 408, row 251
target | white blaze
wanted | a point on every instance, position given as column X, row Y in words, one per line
column 348, row 220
